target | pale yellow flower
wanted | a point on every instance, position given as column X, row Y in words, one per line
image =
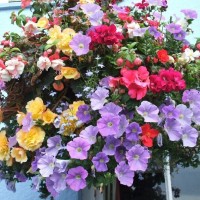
column 31, row 140
column 19, row 154
column 48, row 116
column 86, row 1
column 43, row 22
column 74, row 107
column 36, row 108
column 9, row 162
column 20, row 117
column 54, row 34
column 70, row 72
column 4, row 147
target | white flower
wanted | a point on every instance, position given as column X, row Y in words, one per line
column 44, row 63
column 14, row 68
column 189, row 55
column 183, row 23
column 30, row 28
column 131, row 27
column 5, row 76
column 57, row 64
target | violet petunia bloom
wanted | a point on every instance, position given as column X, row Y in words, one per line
column 96, row 18
column 185, row 114
column 157, row 2
column 110, row 108
column 137, row 158
column 123, row 123
column 154, row 32
column 111, row 145
column 61, row 165
column 36, row 180
column 192, row 97
column 189, row 136
column 78, row 148
column 76, row 178
column 98, row 98
column 196, row 116
column 12, row 141
column 27, row 122
column 173, row 28
column 80, row 44
column 46, row 165
column 173, row 129
column 89, row 134
column 104, row 82
column 129, row 144
column 59, row 181
column 139, row 32
column 90, row 8
column 83, row 113
column 21, row 177
column 54, row 145
column 133, row 131
column 120, row 153
column 190, row 14
column 148, row 111
column 124, row 174
column 50, row 188
column 108, row 125
column 99, row 161
column 170, row 112
column 180, row 36
column 11, row 185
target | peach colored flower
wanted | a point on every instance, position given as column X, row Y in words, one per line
column 19, row 154
column 4, row 147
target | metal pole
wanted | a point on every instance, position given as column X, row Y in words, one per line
column 167, row 175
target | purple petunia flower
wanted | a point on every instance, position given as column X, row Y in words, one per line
column 83, row 113
column 139, row 32
column 120, row 153
column 148, row 111
column 190, row 14
column 12, row 141
column 138, row 157
column 11, row 185
column 61, row 165
column 154, row 32
column 2, row 84
column 122, row 126
column 170, row 112
column 111, row 145
column 76, row 178
column 21, row 177
column 133, row 131
column 110, row 108
column 180, row 36
column 78, row 148
column 129, row 144
column 59, row 181
column 90, row 8
column 189, row 136
column 196, row 116
column 96, row 18
column 36, row 180
column 174, row 28
column 185, row 114
column 27, row 122
column 173, row 129
column 157, row 2
column 89, row 134
column 50, row 188
column 98, row 98
column 124, row 174
column 46, row 165
column 100, row 161
column 108, row 125
column 104, row 82
column 80, row 44
column 54, row 145
column 192, row 97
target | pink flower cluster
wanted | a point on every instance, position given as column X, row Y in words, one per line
column 167, row 81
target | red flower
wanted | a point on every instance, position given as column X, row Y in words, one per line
column 163, row 56
column 142, row 5
column 148, row 134
column 125, row 17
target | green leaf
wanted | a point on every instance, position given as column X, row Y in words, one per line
column 15, row 49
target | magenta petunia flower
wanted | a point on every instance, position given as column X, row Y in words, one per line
column 100, row 161
column 108, row 125
column 76, row 178
column 124, row 174
column 148, row 111
column 137, row 158
column 78, row 148
column 80, row 44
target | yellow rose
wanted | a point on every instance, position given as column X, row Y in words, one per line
column 36, row 108
column 20, row 117
column 31, row 140
column 43, row 22
column 48, row 116
column 70, row 72
column 74, row 107
column 19, row 154
column 4, row 147
column 54, row 34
